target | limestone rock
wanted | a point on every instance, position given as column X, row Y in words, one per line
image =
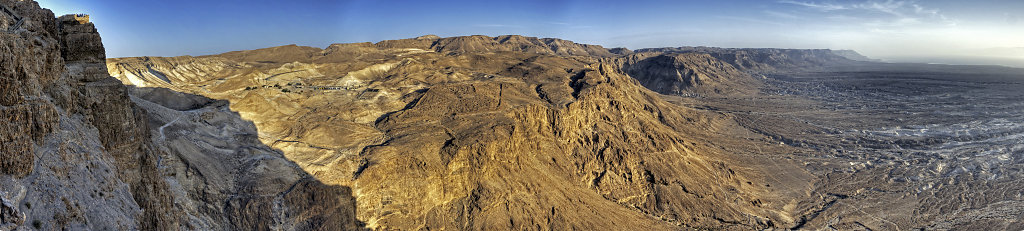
column 765, row 60
column 853, row 55
column 620, row 51
column 476, row 132
column 224, row 179
column 80, row 153
column 687, row 73
column 480, row 43
column 78, row 164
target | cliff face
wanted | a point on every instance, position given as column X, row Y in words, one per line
column 79, row 153
column 76, row 153
column 709, row 71
column 461, row 133
column 222, row 178
column 766, row 59
column 479, row 43
column 688, row 71
column 854, row 55
column 687, row 74
column 452, row 45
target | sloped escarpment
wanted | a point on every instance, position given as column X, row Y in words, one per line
column 165, row 72
column 480, row 43
column 768, row 60
column 614, row 149
column 687, row 74
column 710, row 71
column 223, row 178
column 80, row 153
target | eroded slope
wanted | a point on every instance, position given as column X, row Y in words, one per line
column 479, row 132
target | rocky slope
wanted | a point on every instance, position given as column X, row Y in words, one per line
column 80, row 153
column 767, row 60
column 687, row 74
column 471, row 132
column 854, row 55
column 712, row 71
column 507, row 132
column 222, row 178
column 480, row 43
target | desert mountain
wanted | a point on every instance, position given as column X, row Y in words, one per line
column 470, row 132
column 506, row 132
column 496, row 133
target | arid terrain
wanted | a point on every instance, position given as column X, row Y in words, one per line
column 902, row 146
column 492, row 132
column 497, row 133
column 847, row 144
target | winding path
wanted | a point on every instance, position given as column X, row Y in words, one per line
column 162, row 136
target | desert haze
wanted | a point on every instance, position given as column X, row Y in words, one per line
column 503, row 132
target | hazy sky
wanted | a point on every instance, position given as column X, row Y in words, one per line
column 876, row 28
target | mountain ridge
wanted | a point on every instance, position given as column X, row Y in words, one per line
column 749, row 60
column 482, row 133
column 564, row 117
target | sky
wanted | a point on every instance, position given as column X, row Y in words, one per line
column 987, row 31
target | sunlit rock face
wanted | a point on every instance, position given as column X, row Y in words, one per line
column 515, row 132
column 81, row 151
column 496, row 133
column 505, row 132
column 76, row 150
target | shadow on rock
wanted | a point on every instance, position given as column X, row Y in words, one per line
column 222, row 177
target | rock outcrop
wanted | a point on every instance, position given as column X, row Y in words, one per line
column 854, row 55
column 80, row 153
column 687, row 74
column 76, row 151
column 711, row 71
column 480, row 43
column 222, row 178
column 766, row 60
column 489, row 133
column 355, row 52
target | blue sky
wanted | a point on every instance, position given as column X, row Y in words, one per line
column 877, row 28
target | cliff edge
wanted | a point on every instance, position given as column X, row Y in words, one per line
column 81, row 153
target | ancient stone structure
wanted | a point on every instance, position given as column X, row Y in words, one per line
column 80, row 18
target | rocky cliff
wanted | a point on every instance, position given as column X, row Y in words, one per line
column 854, row 55
column 80, row 153
column 688, row 71
column 766, row 59
column 711, row 71
column 74, row 150
column 222, row 178
column 480, row 43
column 453, row 45
column 687, row 74
column 503, row 132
